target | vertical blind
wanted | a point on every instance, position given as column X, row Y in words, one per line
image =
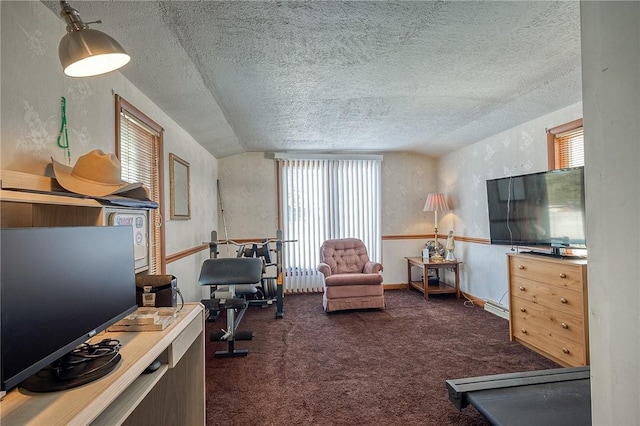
column 569, row 148
column 324, row 199
column 139, row 160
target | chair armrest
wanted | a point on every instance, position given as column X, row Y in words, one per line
column 324, row 269
column 372, row 268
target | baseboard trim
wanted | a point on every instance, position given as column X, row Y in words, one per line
column 395, row 286
column 401, row 286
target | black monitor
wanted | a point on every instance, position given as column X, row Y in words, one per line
column 58, row 288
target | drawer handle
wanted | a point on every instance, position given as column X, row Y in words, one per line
column 521, row 267
column 565, row 350
column 524, row 330
column 564, row 325
column 523, row 310
column 521, row 288
column 563, row 300
column 563, row 275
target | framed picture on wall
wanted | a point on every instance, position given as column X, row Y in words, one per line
column 179, row 188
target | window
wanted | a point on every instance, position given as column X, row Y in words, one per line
column 565, row 145
column 322, row 199
column 139, row 148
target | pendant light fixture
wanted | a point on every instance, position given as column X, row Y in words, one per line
column 85, row 52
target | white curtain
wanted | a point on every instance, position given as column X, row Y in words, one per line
column 326, row 198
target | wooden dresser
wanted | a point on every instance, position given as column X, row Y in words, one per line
column 549, row 306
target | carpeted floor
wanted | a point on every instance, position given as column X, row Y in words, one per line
column 359, row 367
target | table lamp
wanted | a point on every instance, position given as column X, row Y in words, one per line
column 436, row 203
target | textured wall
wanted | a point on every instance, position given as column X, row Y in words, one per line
column 407, row 178
column 463, row 174
column 32, row 85
column 248, row 192
column 249, row 196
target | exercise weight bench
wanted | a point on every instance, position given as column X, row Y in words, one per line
column 231, row 277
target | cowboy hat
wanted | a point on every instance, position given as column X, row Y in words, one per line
column 95, row 174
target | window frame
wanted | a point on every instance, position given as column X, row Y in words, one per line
column 122, row 105
column 551, row 140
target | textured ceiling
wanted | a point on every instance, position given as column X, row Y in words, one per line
column 336, row 76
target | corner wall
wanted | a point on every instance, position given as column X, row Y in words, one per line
column 611, row 96
column 248, row 188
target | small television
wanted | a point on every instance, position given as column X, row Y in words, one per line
column 58, row 288
column 540, row 210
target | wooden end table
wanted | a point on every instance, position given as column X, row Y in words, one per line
column 441, row 287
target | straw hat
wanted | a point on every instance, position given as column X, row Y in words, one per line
column 95, row 174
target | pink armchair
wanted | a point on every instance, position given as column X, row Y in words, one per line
column 351, row 280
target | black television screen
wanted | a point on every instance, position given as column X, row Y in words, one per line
column 538, row 209
column 58, row 288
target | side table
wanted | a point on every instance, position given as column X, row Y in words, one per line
column 441, row 287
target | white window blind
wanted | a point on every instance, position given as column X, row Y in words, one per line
column 565, row 145
column 324, row 199
column 569, row 148
column 139, row 149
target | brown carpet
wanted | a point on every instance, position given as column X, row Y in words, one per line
column 359, row 367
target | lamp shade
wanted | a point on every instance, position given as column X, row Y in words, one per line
column 85, row 52
column 90, row 52
column 436, row 203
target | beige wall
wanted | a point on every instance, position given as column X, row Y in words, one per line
column 249, row 195
column 611, row 95
column 462, row 175
column 32, row 85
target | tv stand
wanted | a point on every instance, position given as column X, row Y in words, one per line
column 172, row 394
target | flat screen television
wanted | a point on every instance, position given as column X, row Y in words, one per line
column 544, row 209
column 58, row 288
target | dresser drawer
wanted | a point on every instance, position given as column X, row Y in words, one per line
column 551, row 322
column 567, row 301
column 563, row 349
column 565, row 274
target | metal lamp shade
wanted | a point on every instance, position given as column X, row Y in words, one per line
column 90, row 52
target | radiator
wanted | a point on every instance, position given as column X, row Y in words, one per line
column 496, row 308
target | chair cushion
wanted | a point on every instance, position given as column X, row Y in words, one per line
column 346, row 291
column 353, row 279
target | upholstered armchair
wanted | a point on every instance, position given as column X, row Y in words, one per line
column 351, row 280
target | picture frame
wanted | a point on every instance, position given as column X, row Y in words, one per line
column 180, row 189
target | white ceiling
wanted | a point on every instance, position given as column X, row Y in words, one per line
column 336, row 76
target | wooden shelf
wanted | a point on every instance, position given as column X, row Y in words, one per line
column 13, row 196
column 441, row 288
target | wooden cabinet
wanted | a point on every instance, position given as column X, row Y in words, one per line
column 548, row 306
column 172, row 394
